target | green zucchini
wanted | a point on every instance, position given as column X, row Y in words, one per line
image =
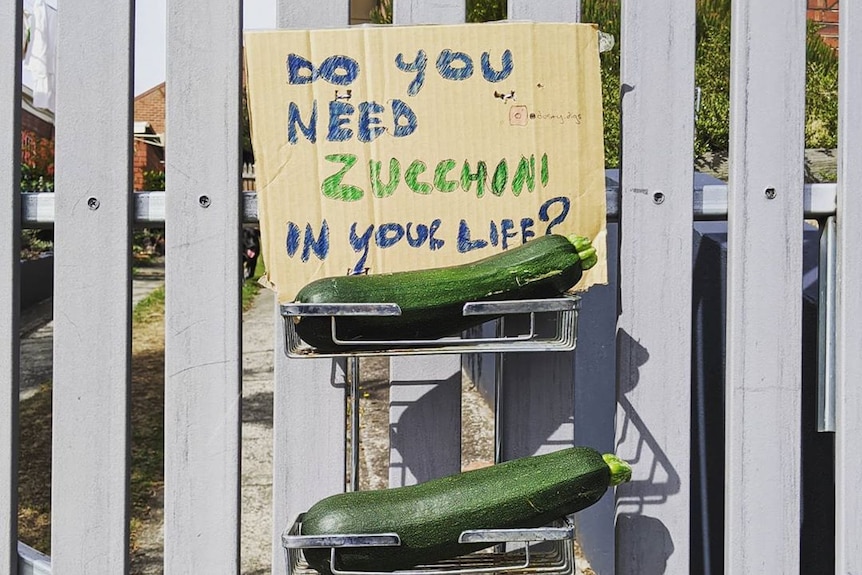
column 432, row 300
column 429, row 517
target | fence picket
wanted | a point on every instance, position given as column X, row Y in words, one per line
column 653, row 331
column 92, row 290
column 848, row 469
column 424, row 418
column 308, row 437
column 438, row 12
column 203, row 314
column 427, row 391
column 764, row 315
column 10, row 223
column 537, row 387
column 309, row 399
column 547, row 11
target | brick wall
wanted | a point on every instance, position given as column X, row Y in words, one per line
column 150, row 107
column 147, row 158
column 37, row 125
column 825, row 13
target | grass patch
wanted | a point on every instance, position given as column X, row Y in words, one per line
column 251, row 288
column 149, row 309
column 147, row 410
column 34, row 470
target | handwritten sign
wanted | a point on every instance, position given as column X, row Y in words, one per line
column 394, row 148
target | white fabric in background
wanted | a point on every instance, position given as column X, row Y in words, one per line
column 25, row 35
column 41, row 57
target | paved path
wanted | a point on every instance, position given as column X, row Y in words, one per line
column 256, row 481
column 37, row 333
column 258, row 332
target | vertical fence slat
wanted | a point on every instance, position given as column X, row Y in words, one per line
column 595, row 406
column 92, row 289
column 764, row 323
column 308, row 442
column 312, row 14
column 308, row 404
column 654, row 327
column 10, row 222
column 203, row 314
column 425, row 393
column 546, row 11
column 424, row 418
column 429, row 12
column 536, row 394
column 536, row 391
column 848, row 433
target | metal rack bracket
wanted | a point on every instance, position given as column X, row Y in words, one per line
column 557, row 559
column 563, row 309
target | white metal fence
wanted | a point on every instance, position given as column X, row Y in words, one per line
column 632, row 376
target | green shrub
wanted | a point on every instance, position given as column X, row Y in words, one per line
column 606, row 13
column 154, row 180
column 485, row 10
column 37, row 163
column 382, row 12
column 712, row 76
column 712, row 79
column 821, row 93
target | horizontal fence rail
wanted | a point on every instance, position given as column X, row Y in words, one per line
column 710, row 203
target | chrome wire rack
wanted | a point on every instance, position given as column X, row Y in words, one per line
column 547, row 550
column 530, row 336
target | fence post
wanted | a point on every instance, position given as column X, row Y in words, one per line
column 536, row 391
column 425, row 392
column 654, row 326
column 203, row 346
column 10, row 223
column 764, row 313
column 848, row 433
column 308, row 402
column 418, row 12
column 92, row 289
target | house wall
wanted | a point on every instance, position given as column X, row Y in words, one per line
column 825, row 12
column 37, row 125
column 147, row 158
column 150, row 107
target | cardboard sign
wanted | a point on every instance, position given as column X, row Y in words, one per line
column 396, row 148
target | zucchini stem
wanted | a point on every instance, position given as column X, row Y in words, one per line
column 621, row 471
column 586, row 251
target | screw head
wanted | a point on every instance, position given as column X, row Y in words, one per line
column 204, row 201
column 658, row 197
column 93, row 203
column 769, row 193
